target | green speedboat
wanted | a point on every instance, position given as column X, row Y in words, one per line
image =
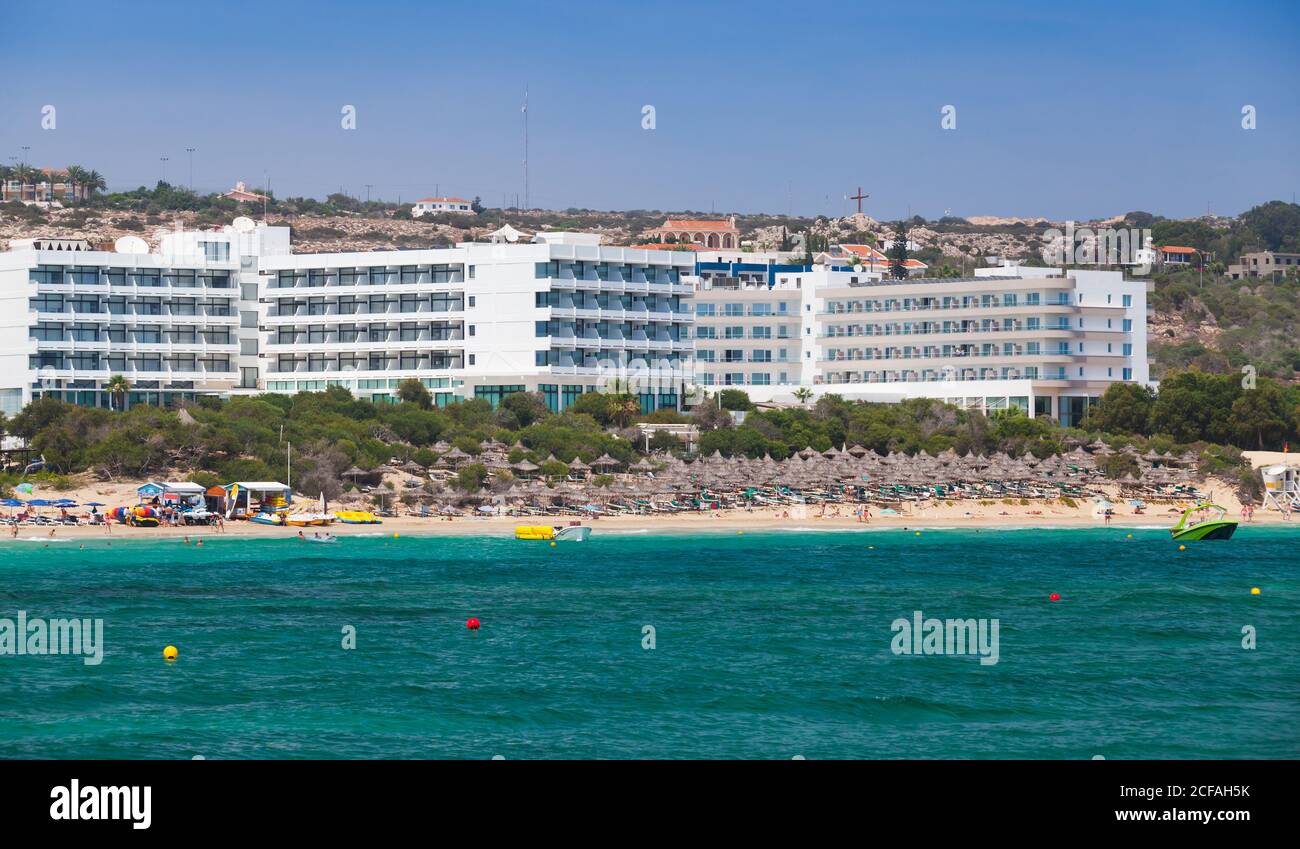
column 1204, row 521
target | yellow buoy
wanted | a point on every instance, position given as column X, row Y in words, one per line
column 1182, row 548
column 918, row 533
column 170, row 653
column 552, row 543
column 394, row 536
column 1254, row 590
column 1130, row 536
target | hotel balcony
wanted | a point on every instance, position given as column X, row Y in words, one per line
column 270, row 344
column 277, row 319
column 68, row 316
column 979, row 311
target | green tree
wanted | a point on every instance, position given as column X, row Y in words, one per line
column 470, row 478
column 1260, row 417
column 1125, row 408
column 735, row 399
column 412, row 391
column 898, row 253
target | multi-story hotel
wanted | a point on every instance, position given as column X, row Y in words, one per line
column 235, row 311
column 1040, row 339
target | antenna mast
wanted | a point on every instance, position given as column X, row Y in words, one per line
column 525, row 146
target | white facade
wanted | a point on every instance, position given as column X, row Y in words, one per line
column 172, row 322
column 235, row 311
column 438, row 206
column 562, row 315
column 1034, row 338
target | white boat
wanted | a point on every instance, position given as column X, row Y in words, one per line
column 572, row 533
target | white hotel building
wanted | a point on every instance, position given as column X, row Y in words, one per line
column 1046, row 341
column 236, row 312
column 230, row 312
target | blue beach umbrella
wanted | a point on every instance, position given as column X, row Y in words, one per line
column 93, row 504
column 12, row 502
column 39, row 502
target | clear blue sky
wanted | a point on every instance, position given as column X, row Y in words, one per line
column 1062, row 110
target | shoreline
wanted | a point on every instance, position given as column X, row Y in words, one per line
column 720, row 521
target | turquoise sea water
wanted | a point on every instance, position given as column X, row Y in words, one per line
column 767, row 645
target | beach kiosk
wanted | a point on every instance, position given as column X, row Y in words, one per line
column 170, row 493
column 245, row 499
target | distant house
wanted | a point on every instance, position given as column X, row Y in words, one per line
column 439, row 206
column 52, row 185
column 1177, row 255
column 870, row 258
column 707, row 232
column 241, row 193
column 1264, row 264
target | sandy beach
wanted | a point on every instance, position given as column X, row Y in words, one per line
column 1001, row 514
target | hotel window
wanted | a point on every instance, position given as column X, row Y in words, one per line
column 377, row 276
column 700, row 332
column 762, row 332
column 734, row 333
column 216, row 251
column 1127, row 373
column 1128, row 300
column 410, row 274
column 317, row 306
column 733, row 310
column 316, row 334
column 1128, row 325
column 347, row 277
column 706, row 310
column 347, row 333
column 1128, row 349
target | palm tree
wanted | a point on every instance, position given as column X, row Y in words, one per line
column 803, row 393
column 623, row 409
column 76, row 176
column 6, row 174
column 26, row 175
column 93, row 180
column 117, row 387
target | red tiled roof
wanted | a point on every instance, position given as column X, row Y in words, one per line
column 1177, row 249
column 864, row 251
column 694, row 224
column 666, row 246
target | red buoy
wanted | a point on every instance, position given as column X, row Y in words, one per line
column 472, row 624
column 1055, row 596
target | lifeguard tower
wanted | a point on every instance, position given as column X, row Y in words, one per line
column 1281, row 486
